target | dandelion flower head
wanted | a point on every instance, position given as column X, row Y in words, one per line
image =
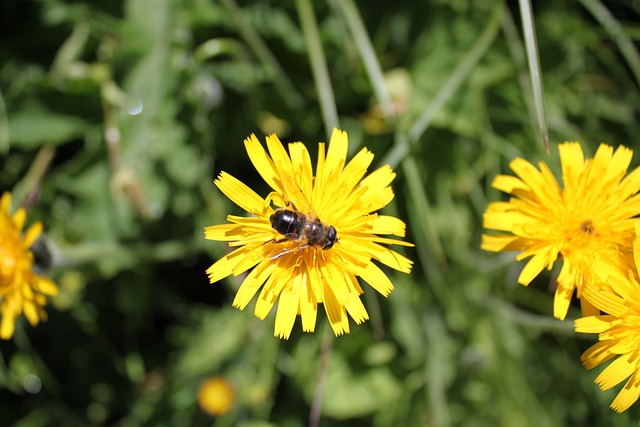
column 301, row 275
column 588, row 222
column 21, row 290
column 216, row 396
column 619, row 334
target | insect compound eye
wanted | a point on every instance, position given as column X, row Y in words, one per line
column 332, row 237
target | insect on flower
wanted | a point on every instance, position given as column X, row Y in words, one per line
column 304, row 228
column 310, row 239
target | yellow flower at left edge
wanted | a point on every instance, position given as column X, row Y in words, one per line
column 21, row 290
column 587, row 222
column 299, row 272
column 618, row 333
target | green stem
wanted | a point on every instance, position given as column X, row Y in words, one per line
column 451, row 86
column 615, row 30
column 323, row 370
column 4, row 126
column 287, row 90
column 318, row 65
column 24, row 193
column 164, row 251
column 534, row 69
column 367, row 54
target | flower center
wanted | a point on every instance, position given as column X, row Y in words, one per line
column 587, row 227
column 579, row 237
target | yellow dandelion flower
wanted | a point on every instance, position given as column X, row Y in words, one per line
column 588, row 222
column 21, row 290
column 320, row 237
column 619, row 334
column 216, row 396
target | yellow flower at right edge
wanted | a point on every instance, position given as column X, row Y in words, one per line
column 618, row 332
column 588, row 222
column 21, row 290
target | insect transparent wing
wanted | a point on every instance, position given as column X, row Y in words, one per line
column 294, row 194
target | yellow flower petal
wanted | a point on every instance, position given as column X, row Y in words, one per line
column 262, row 162
column 619, row 370
column 605, row 300
column 628, row 395
column 335, row 312
column 500, row 242
column 7, row 326
column 355, row 170
column 385, row 224
column 288, row 305
column 32, row 233
column 377, row 279
column 240, row 194
column 597, row 354
column 593, row 324
column 308, row 304
column 532, row 269
column 252, row 283
column 280, row 157
column 336, row 156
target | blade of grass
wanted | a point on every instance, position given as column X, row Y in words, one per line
column 286, row 88
column 367, row 54
column 531, row 47
column 318, row 65
column 516, row 49
column 4, row 126
column 615, row 30
column 25, row 193
column 451, row 86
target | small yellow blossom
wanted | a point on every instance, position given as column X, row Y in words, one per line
column 21, row 290
column 618, row 332
column 291, row 269
column 588, row 221
column 216, row 396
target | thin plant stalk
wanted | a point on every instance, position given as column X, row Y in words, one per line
column 323, row 371
column 451, row 86
column 318, row 65
column 286, row 88
column 4, row 127
column 367, row 54
column 531, row 47
column 615, row 30
column 25, row 193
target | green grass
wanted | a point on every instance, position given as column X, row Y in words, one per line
column 439, row 90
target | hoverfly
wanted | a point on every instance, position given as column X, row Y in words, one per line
column 306, row 228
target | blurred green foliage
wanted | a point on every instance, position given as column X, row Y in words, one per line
column 115, row 116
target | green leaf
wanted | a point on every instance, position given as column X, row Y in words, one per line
column 354, row 394
column 34, row 127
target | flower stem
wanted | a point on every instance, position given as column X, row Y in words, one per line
column 318, row 65
column 287, row 90
column 534, row 69
column 615, row 30
column 451, row 86
column 26, row 193
column 4, row 126
column 367, row 54
column 323, row 371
